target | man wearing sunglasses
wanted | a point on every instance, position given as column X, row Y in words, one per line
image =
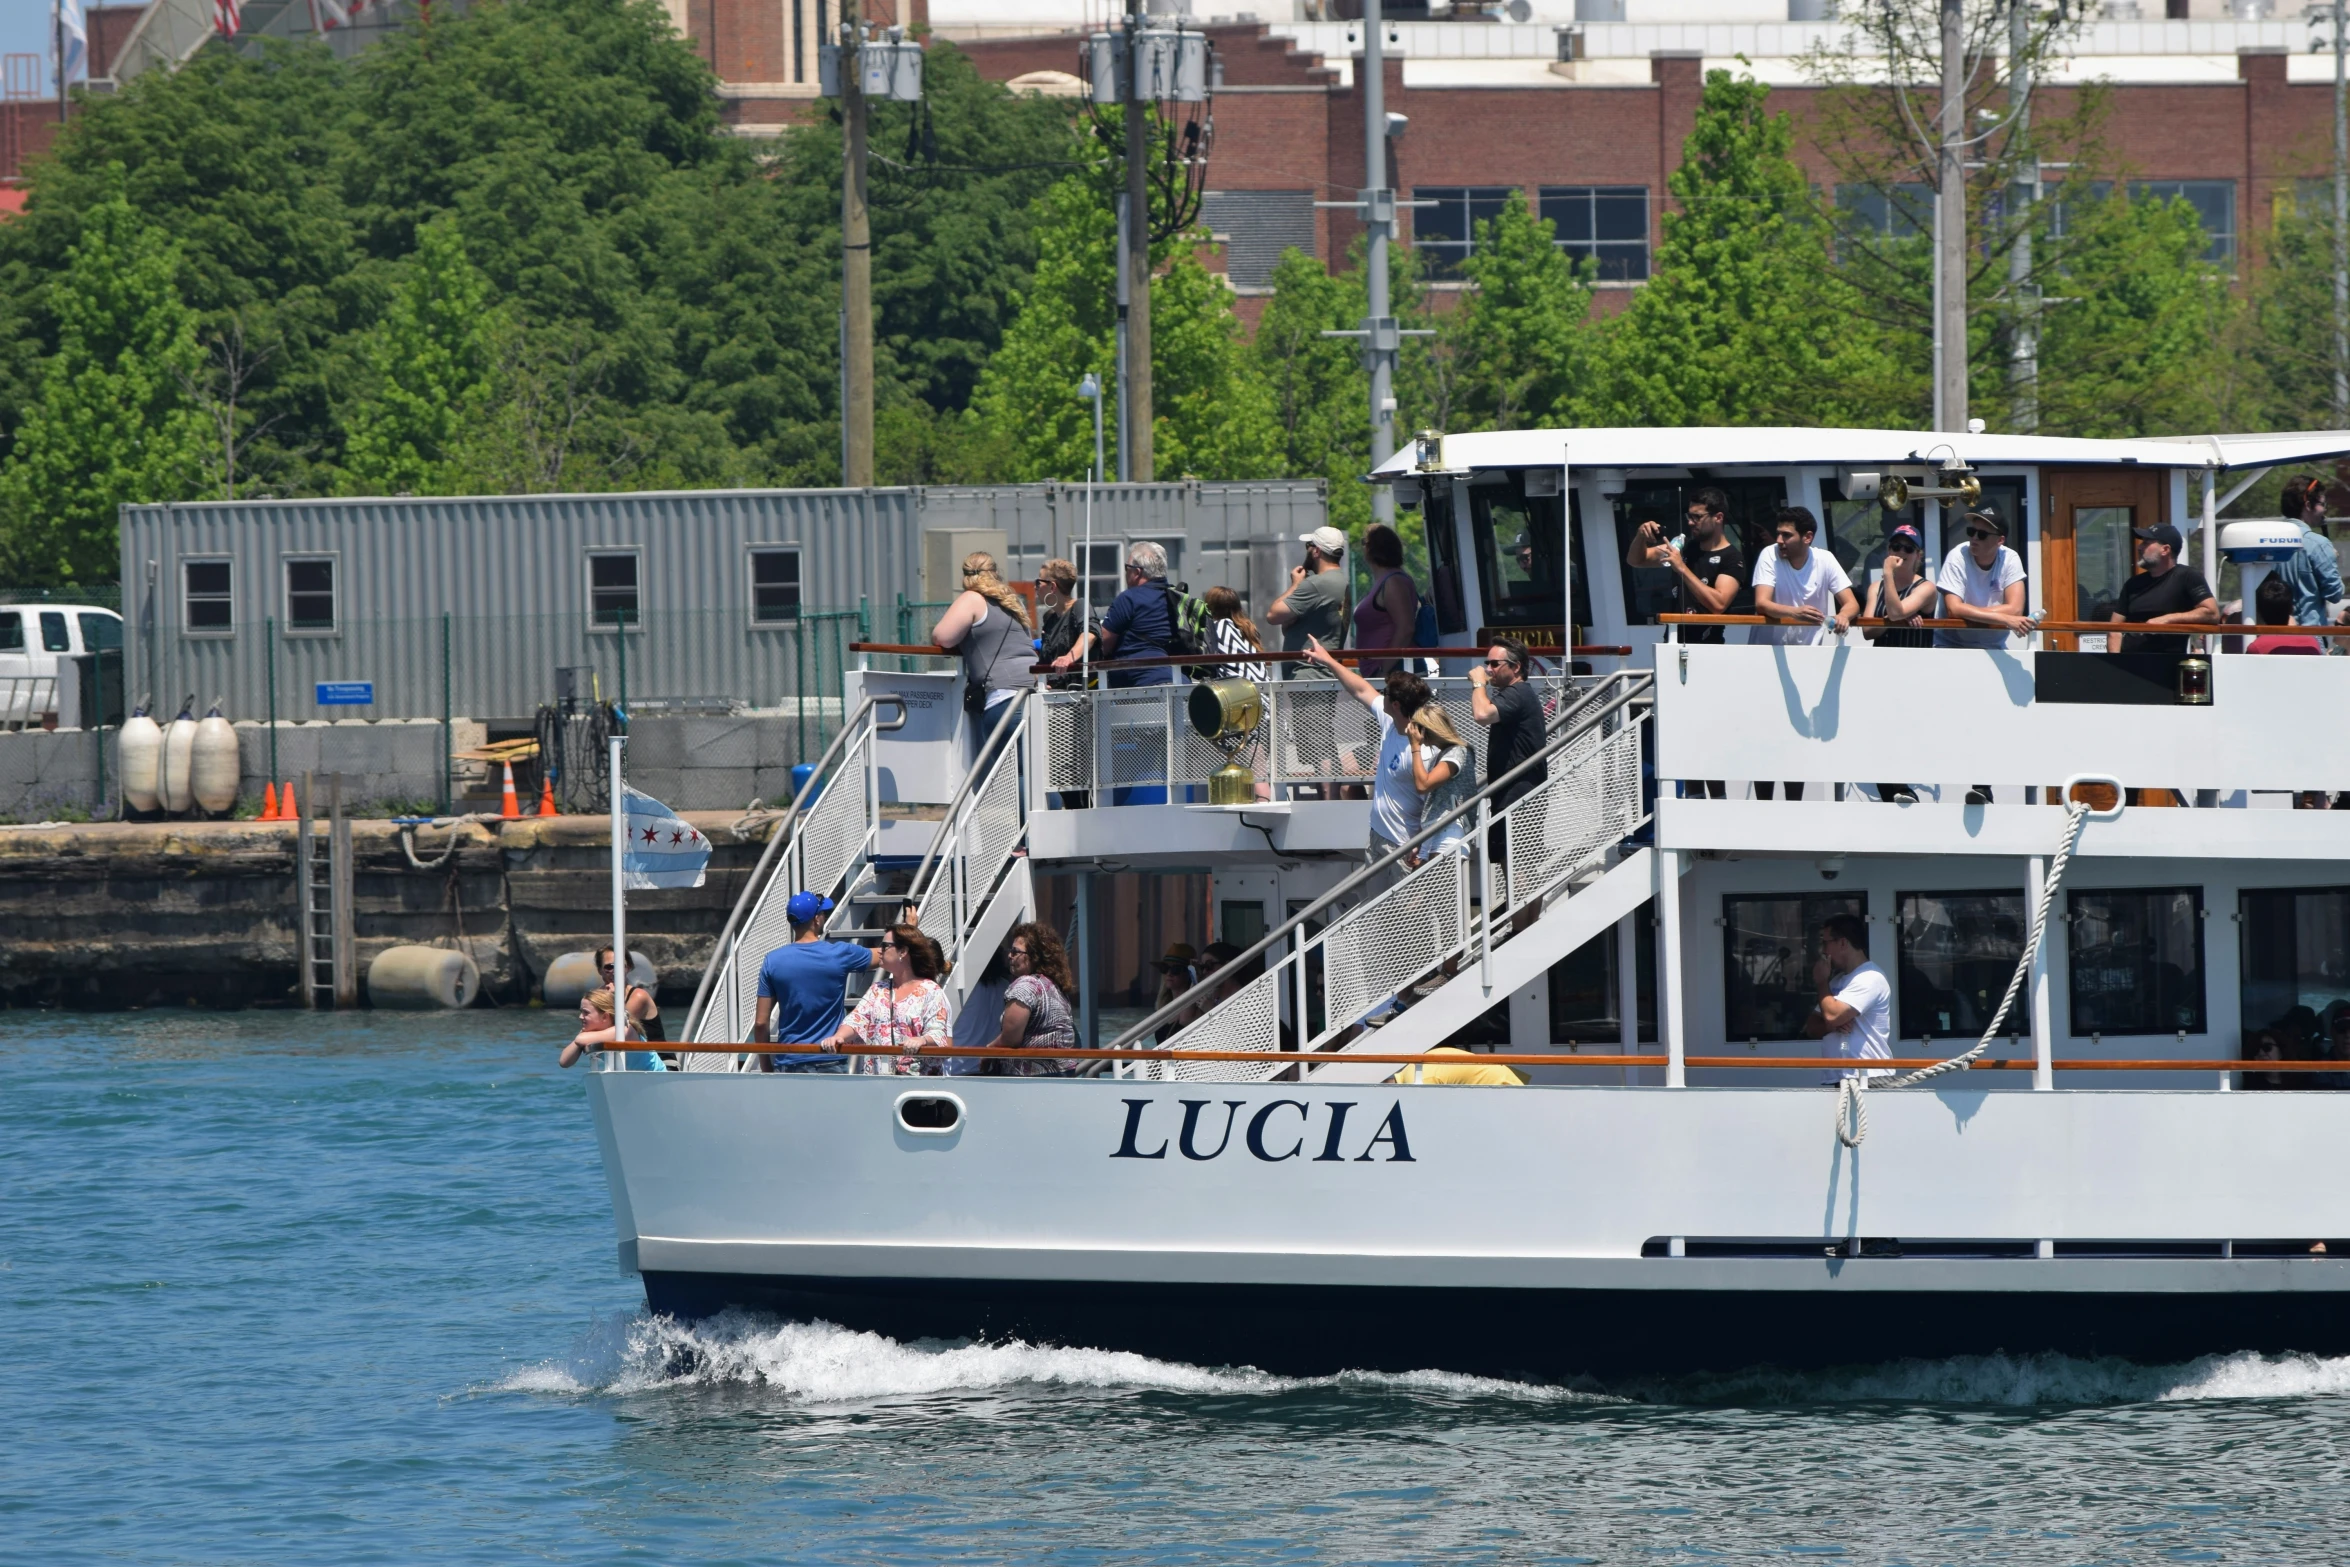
column 1982, row 583
column 1500, row 699
column 1709, row 570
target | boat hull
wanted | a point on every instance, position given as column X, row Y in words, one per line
column 1507, row 1232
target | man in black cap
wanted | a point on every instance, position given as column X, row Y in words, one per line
column 2163, row 593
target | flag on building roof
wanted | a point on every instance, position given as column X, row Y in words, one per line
column 226, row 17
column 664, row 849
column 74, row 39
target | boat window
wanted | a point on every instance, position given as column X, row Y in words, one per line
column 1754, row 516
column 1517, row 538
column 54, row 638
column 1585, row 993
column 2103, row 557
column 2296, row 977
column 11, row 631
column 1769, row 943
column 1444, row 558
column 2137, row 961
column 1857, row 530
column 1957, row 951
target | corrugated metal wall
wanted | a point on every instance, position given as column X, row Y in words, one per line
column 510, row 575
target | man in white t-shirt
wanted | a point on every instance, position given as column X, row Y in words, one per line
column 1854, row 1018
column 1982, row 583
column 1803, row 589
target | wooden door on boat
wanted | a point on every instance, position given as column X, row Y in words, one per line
column 2086, row 551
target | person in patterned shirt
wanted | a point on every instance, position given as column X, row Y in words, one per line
column 904, row 1010
column 1036, row 1005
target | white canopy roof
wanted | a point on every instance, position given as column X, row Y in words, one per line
column 1768, row 447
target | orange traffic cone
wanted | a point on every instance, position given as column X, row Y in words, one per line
column 285, row 804
column 547, row 795
column 510, row 808
column 269, row 802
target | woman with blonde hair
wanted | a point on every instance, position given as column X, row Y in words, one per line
column 988, row 625
column 600, row 1029
column 1230, row 631
column 1445, row 774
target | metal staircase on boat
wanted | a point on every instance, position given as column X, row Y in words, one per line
column 1358, row 951
column 971, row 887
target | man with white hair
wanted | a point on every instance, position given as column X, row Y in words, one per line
column 1141, row 621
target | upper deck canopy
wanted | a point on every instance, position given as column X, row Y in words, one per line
column 1781, row 447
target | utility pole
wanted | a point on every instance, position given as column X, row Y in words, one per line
column 1134, row 398
column 856, row 261
column 1125, row 425
column 2341, row 228
column 59, row 14
column 1950, row 345
column 1379, row 342
column 2024, row 353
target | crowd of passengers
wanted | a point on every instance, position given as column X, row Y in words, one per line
column 1023, row 1001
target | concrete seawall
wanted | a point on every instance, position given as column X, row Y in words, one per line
column 106, row 915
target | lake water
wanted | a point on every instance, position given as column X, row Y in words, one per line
column 342, row 1290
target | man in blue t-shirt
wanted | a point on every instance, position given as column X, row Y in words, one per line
column 802, row 988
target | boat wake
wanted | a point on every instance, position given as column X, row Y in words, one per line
column 818, row 1363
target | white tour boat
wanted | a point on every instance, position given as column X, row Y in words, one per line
column 1664, row 1193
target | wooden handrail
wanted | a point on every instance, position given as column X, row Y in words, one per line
column 2217, row 628
column 1326, row 1057
column 1343, row 655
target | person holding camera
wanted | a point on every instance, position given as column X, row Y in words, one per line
column 1314, row 607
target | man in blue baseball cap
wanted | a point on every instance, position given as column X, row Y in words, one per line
column 802, row 988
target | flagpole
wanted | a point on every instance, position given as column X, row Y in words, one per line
column 59, row 13
column 619, row 896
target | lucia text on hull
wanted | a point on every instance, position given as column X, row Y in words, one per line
column 1556, row 1076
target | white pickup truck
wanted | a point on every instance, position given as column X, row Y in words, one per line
column 33, row 638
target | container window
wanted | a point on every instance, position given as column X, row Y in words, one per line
column 612, row 588
column 1769, row 943
column 2137, row 961
column 775, row 586
column 11, row 631
column 1957, row 952
column 310, row 593
column 205, row 604
column 1105, row 576
column 54, row 637
column 2296, row 982
column 100, row 630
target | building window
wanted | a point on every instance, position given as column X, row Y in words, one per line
column 775, row 585
column 612, row 588
column 1447, row 232
column 1900, row 211
column 2292, row 944
column 310, row 594
column 2137, row 961
column 1957, row 951
column 1769, row 944
column 1606, row 224
column 2214, row 202
column 205, row 607
column 1257, row 227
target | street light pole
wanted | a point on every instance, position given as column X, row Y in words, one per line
column 2341, row 227
column 1379, row 343
column 2024, row 352
column 1950, row 345
column 856, row 268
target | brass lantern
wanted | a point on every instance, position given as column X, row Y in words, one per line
column 1228, row 712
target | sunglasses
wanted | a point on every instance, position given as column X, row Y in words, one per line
column 603, row 968
column 1698, row 514
column 1980, row 534
column 1021, row 952
column 1902, row 547
column 1499, row 663
column 888, row 945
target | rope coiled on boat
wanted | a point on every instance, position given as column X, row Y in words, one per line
column 1852, row 1113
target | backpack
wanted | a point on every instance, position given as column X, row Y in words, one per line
column 1424, row 632
column 1190, row 630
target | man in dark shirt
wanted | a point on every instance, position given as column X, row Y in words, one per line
column 1708, row 569
column 1500, row 699
column 2165, row 593
column 1141, row 621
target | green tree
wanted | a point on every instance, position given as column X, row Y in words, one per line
column 428, row 365
column 112, row 423
column 1318, row 388
column 1744, row 320
column 1213, row 416
column 1518, row 340
column 2137, row 342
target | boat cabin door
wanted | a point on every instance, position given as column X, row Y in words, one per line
column 2086, row 551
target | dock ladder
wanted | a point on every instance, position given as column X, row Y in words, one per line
column 325, row 951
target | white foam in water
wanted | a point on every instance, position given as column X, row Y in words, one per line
column 821, row 1364
column 2027, row 1380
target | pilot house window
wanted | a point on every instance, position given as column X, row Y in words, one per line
column 1516, row 525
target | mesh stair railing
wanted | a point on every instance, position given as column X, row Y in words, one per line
column 824, row 845
column 954, row 891
column 1374, row 950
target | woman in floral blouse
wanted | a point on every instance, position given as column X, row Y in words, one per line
column 904, row 1010
column 1036, row 1005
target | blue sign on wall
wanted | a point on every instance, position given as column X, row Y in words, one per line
column 346, row 693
